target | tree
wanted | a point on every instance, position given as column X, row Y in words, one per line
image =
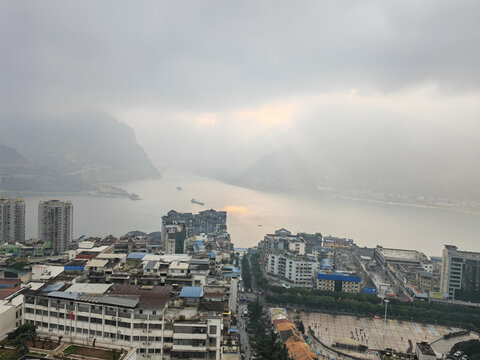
column 301, row 327
column 16, row 263
column 246, row 274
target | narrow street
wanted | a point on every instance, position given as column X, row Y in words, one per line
column 242, row 328
column 252, row 296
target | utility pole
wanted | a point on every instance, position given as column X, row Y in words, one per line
column 385, row 323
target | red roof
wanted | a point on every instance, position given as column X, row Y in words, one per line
column 7, row 282
column 6, row 292
column 155, row 297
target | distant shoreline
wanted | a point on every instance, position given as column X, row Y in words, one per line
column 340, row 195
column 126, row 195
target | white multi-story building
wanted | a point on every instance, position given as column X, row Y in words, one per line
column 12, row 220
column 460, row 274
column 55, row 224
column 296, row 246
column 297, row 270
column 128, row 316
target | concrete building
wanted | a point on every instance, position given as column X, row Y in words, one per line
column 175, row 237
column 460, row 274
column 425, row 281
column 55, row 224
column 385, row 256
column 12, row 220
column 278, row 241
column 337, row 243
column 297, row 246
column 311, row 240
column 322, row 253
column 125, row 316
column 338, row 282
column 11, row 313
column 296, row 270
column 205, row 222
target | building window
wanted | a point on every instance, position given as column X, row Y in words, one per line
column 213, row 329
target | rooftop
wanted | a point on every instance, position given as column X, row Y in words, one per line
column 338, row 277
column 6, row 292
column 211, row 306
column 150, row 265
column 88, row 288
column 53, row 287
column 136, row 255
column 64, row 295
column 112, row 256
column 191, row 292
column 96, row 263
column 177, row 265
column 154, row 297
column 399, row 254
column 425, row 274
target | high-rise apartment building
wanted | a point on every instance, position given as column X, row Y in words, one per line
column 175, row 237
column 55, row 224
column 460, row 276
column 205, row 222
column 12, row 220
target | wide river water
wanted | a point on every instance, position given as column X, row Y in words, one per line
column 252, row 214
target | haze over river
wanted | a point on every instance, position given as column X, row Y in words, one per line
column 252, row 213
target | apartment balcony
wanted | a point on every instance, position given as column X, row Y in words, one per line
column 189, row 348
column 168, row 333
column 140, row 316
column 188, row 336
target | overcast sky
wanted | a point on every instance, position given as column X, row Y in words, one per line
column 241, row 71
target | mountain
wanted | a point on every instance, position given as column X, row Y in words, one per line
column 17, row 174
column 9, row 157
column 407, row 157
column 79, row 153
column 94, row 146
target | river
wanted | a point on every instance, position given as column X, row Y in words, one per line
column 252, row 213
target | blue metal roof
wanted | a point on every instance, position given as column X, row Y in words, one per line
column 326, row 264
column 137, row 255
column 64, row 295
column 198, row 246
column 192, row 292
column 231, row 274
column 212, row 255
column 338, row 277
column 233, row 330
column 150, row 265
column 53, row 287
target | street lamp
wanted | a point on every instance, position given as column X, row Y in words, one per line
column 385, row 323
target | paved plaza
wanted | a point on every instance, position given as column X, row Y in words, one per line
column 370, row 331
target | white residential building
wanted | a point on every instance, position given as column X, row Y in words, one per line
column 55, row 224
column 127, row 316
column 460, row 277
column 297, row 270
column 12, row 220
column 297, row 246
